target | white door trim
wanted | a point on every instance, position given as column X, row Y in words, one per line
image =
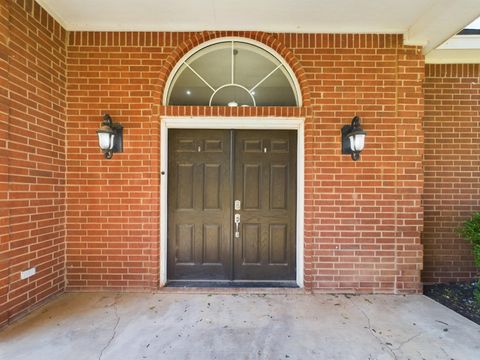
column 259, row 123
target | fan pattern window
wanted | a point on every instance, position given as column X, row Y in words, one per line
column 232, row 73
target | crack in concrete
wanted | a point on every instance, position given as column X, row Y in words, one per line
column 391, row 352
column 446, row 353
column 114, row 330
column 407, row 341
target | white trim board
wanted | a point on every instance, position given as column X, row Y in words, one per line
column 461, row 42
column 453, row 56
column 253, row 123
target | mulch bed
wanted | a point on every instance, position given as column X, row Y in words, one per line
column 456, row 296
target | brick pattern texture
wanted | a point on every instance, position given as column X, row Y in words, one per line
column 95, row 223
column 362, row 219
column 32, row 155
column 4, row 121
column 452, row 169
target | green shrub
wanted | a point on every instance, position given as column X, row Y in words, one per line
column 470, row 231
column 476, row 292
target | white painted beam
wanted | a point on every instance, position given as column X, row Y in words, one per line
column 462, row 42
column 470, row 56
column 443, row 20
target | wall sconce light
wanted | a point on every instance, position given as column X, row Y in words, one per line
column 110, row 137
column 353, row 139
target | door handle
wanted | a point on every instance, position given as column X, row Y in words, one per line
column 237, row 224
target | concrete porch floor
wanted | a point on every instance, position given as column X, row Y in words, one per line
column 240, row 326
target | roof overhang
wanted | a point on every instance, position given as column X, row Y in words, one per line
column 463, row 48
column 426, row 23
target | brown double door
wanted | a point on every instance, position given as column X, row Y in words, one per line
column 231, row 205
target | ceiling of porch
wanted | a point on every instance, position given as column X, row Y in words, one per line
column 428, row 23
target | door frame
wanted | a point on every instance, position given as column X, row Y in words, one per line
column 237, row 123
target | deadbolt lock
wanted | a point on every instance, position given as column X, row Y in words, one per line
column 237, row 205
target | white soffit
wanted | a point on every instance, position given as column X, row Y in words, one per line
column 463, row 40
column 444, row 19
column 314, row 16
column 459, row 49
column 424, row 22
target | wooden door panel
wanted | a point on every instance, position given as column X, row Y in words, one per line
column 212, row 243
column 252, row 186
column 184, row 198
column 205, row 177
column 199, row 205
column 184, row 243
column 279, row 186
column 278, row 244
column 251, row 244
column 265, row 182
column 252, row 145
column 212, row 186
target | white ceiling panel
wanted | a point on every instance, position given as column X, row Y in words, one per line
column 424, row 22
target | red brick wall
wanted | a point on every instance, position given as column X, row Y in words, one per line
column 362, row 219
column 32, row 155
column 452, row 168
column 4, row 121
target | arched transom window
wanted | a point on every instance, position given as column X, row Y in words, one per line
column 233, row 73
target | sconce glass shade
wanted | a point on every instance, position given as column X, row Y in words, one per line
column 357, row 141
column 105, row 138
